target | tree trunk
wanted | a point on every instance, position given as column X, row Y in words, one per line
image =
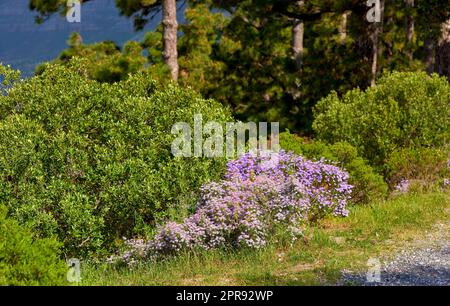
column 170, row 28
column 409, row 29
column 376, row 32
column 443, row 51
column 430, row 57
column 298, row 32
column 374, row 57
column 343, row 27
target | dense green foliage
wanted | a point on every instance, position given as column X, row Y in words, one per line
column 240, row 52
column 368, row 185
column 85, row 145
column 403, row 110
column 26, row 259
column 423, row 167
column 107, row 63
column 7, row 77
column 92, row 162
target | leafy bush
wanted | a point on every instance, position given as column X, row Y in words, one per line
column 367, row 184
column 258, row 195
column 403, row 110
column 92, row 162
column 291, row 142
column 25, row 259
column 107, row 63
column 7, row 77
column 421, row 168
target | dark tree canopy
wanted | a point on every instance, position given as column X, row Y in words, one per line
column 241, row 54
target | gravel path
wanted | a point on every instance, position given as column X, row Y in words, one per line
column 424, row 262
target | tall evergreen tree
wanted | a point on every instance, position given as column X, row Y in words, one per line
column 248, row 53
column 140, row 11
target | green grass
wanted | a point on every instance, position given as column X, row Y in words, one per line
column 337, row 243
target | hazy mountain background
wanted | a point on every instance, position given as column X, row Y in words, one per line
column 24, row 44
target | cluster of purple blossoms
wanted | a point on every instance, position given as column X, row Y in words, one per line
column 260, row 193
column 403, row 186
column 446, row 180
column 136, row 249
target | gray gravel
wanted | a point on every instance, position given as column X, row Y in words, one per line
column 424, row 262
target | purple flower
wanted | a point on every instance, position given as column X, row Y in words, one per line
column 403, row 186
column 260, row 193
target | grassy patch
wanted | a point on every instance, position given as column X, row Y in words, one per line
column 335, row 244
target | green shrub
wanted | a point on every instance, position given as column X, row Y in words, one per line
column 318, row 149
column 423, row 168
column 291, row 142
column 92, row 162
column 368, row 185
column 107, row 62
column 26, row 259
column 403, row 110
column 7, row 77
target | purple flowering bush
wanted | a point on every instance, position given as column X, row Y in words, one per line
column 259, row 195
